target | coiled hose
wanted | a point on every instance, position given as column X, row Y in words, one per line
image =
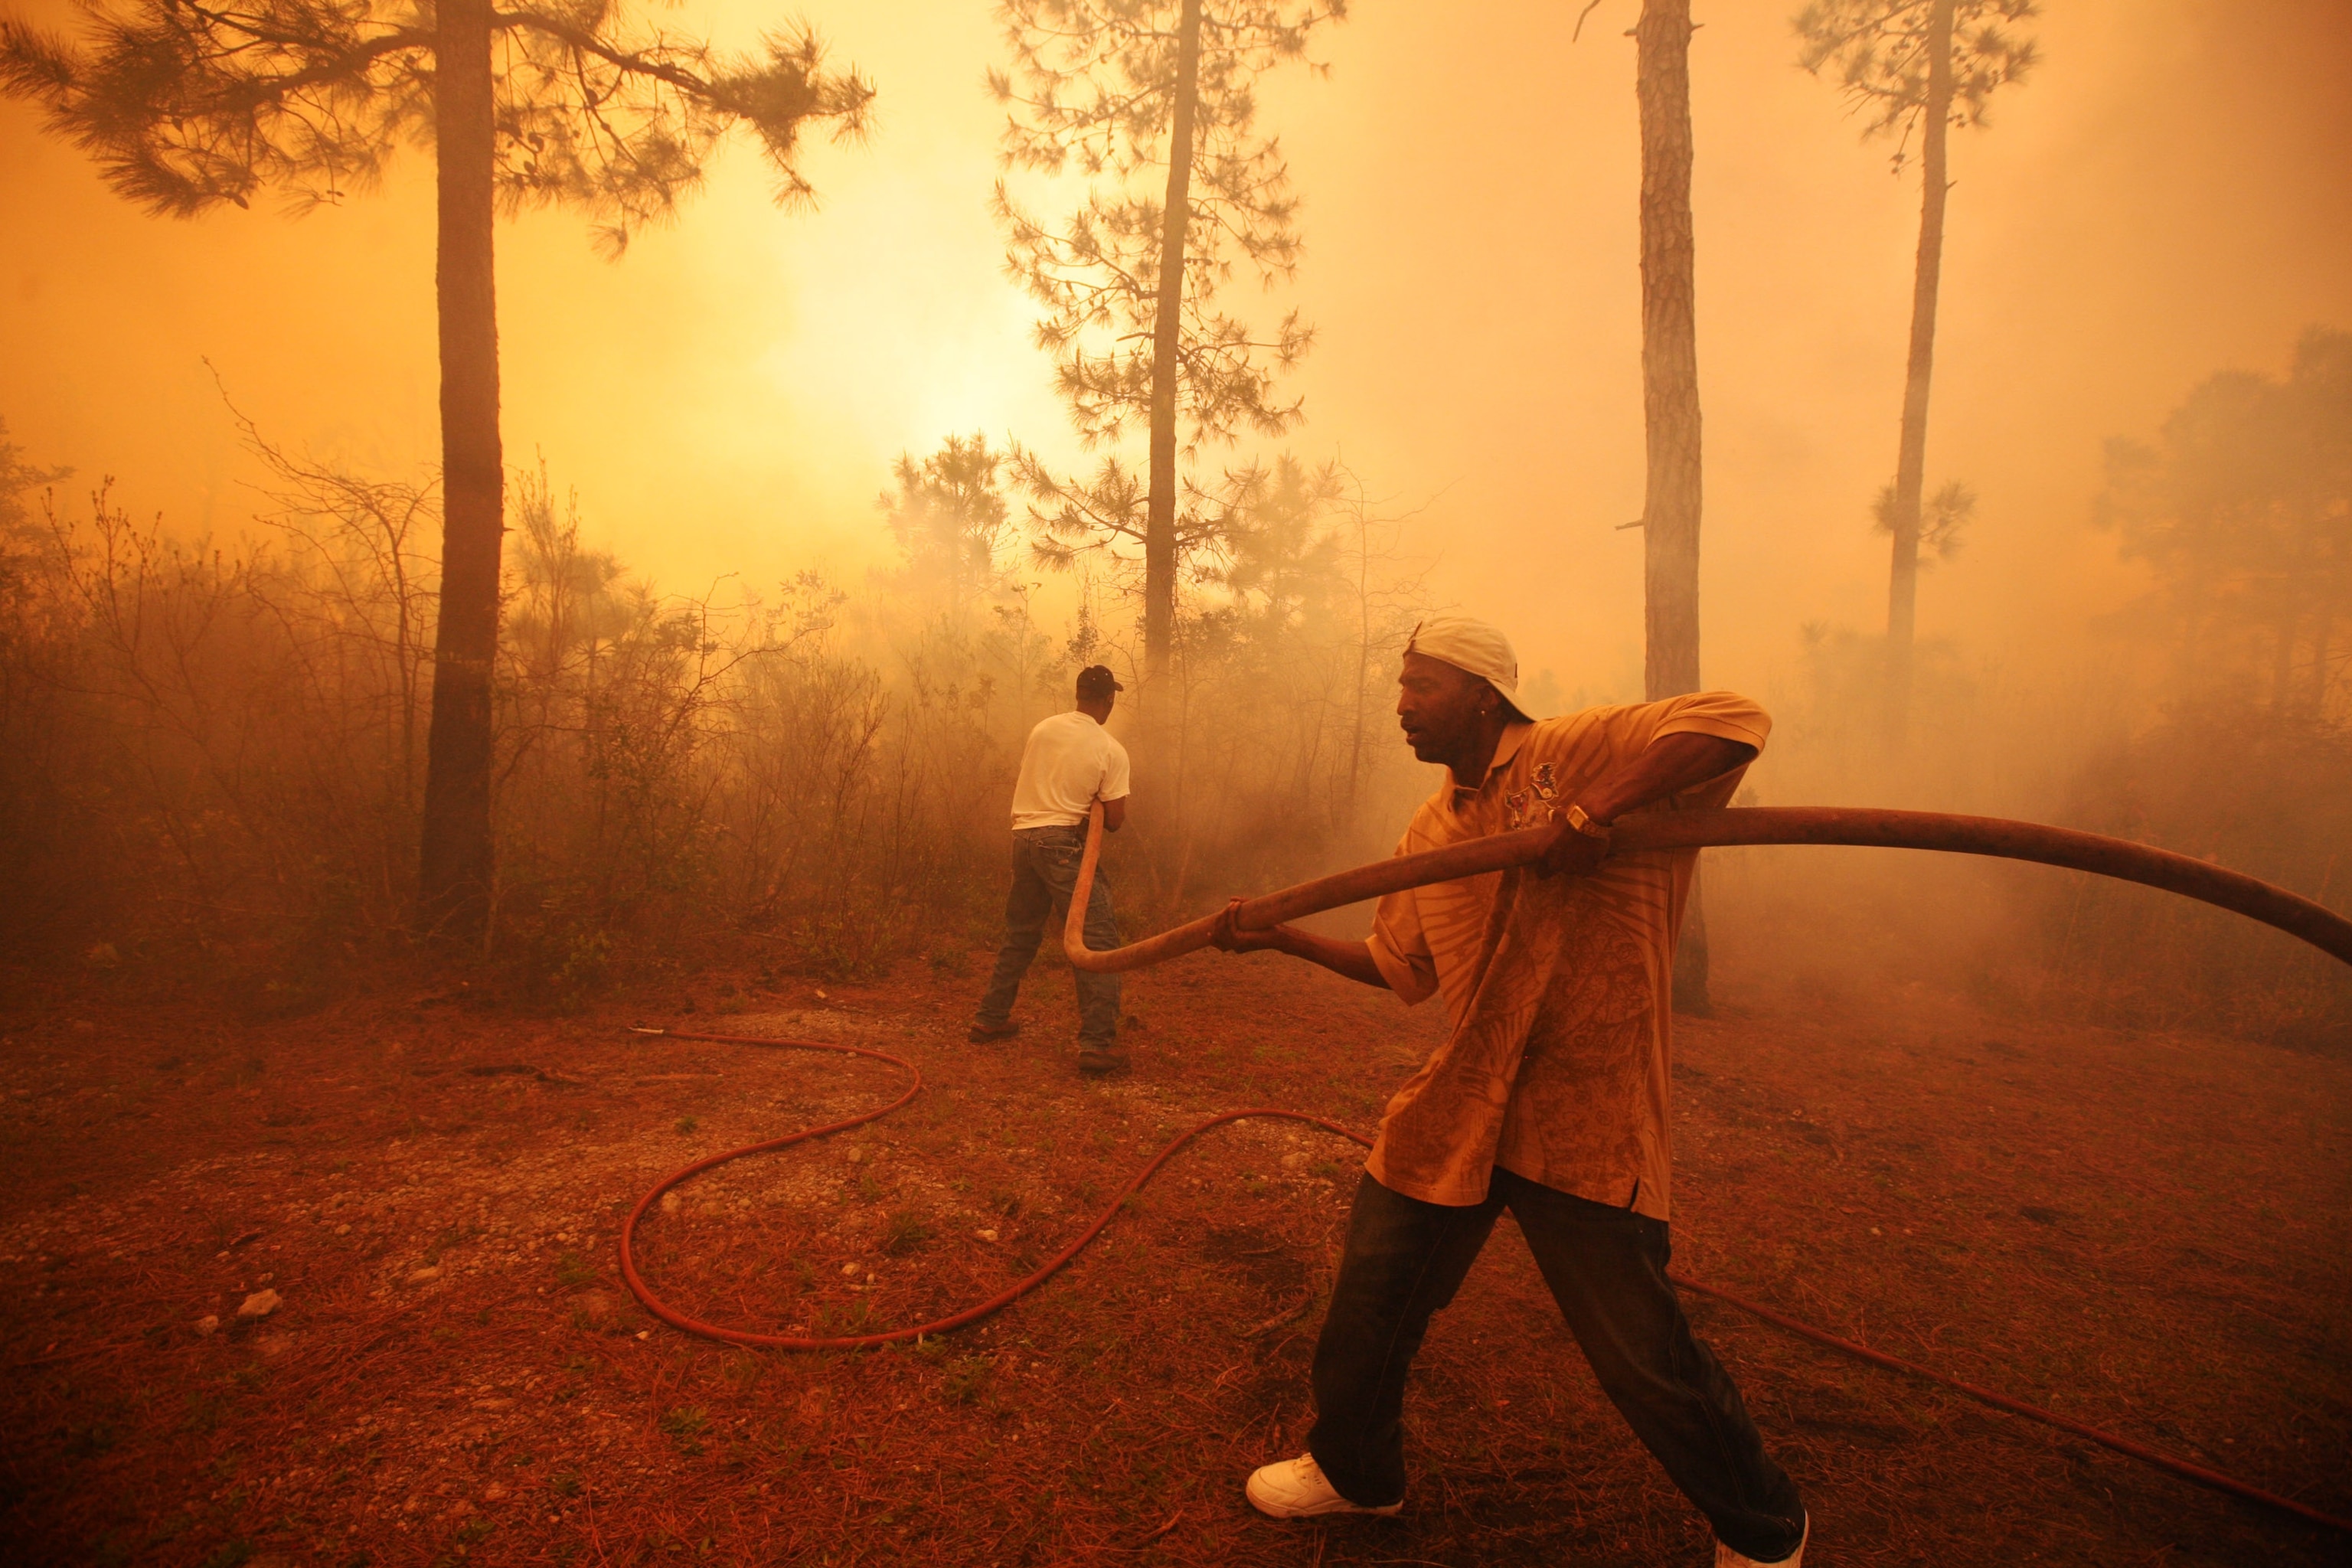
column 2301, row 917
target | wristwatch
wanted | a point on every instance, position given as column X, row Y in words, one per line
column 1575, row 817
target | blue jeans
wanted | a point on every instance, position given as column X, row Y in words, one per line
column 1607, row 1269
column 1044, row 871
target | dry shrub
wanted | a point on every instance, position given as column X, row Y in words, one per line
column 2245, row 787
column 213, row 743
column 215, row 754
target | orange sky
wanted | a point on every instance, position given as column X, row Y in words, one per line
column 2167, row 196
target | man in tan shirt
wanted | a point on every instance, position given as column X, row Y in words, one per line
column 1548, row 1095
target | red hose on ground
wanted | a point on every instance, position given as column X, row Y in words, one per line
column 677, row 1320
column 2124, row 1445
column 1052, row 1266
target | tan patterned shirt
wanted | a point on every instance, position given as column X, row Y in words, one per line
column 1557, row 1063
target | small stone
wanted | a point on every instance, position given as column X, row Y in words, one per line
column 342, row 1230
column 494, row 1493
column 258, row 1305
column 424, row 1276
column 208, row 1324
column 1294, row 1162
column 985, row 1235
column 274, row 1347
column 856, row 1156
column 494, row 1405
column 671, row 1203
column 848, row 1268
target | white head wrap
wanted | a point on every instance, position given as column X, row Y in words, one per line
column 1474, row 647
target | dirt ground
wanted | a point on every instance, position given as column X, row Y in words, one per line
column 2147, row 1232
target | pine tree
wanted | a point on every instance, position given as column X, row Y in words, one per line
column 186, row 106
column 2242, row 509
column 1154, row 103
column 948, row 517
column 1922, row 67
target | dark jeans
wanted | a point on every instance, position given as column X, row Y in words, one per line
column 1607, row 1269
column 1044, row 869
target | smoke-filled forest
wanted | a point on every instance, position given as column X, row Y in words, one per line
column 580, row 585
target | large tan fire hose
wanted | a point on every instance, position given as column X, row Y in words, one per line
column 2314, row 923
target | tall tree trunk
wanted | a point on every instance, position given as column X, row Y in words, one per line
column 1160, row 522
column 1911, row 461
column 1670, row 414
column 454, row 882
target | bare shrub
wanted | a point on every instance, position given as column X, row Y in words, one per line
column 238, row 728
column 219, row 750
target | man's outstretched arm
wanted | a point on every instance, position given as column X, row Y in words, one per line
column 1668, row 766
column 1352, row 959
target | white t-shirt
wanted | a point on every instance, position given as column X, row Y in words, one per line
column 1068, row 761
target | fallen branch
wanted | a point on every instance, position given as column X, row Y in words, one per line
column 1279, row 1318
column 524, row 1070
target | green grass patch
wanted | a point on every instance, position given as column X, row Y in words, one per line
column 904, row 1232
column 685, row 1427
column 967, row 1378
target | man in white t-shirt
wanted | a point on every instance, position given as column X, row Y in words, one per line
column 1070, row 763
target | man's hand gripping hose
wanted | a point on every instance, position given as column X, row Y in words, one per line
column 2314, row 923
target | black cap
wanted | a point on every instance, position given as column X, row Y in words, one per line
column 1097, row 681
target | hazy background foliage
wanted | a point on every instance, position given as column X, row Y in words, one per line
column 213, row 752
column 210, row 757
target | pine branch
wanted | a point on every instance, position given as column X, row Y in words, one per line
column 186, row 105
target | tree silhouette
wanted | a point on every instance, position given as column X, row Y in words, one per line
column 1944, row 517
column 949, row 515
column 1134, row 94
column 19, row 478
column 1916, row 66
column 185, row 106
column 2243, row 510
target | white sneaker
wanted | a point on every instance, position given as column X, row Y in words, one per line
column 1724, row 1557
column 1295, row 1488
